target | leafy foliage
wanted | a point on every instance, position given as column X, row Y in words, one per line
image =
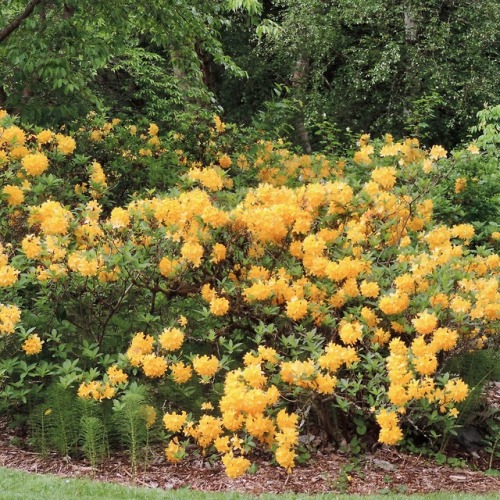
column 270, row 287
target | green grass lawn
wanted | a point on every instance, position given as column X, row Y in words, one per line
column 15, row 484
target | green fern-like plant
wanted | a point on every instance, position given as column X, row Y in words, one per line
column 477, row 369
column 63, row 430
column 38, row 424
column 54, row 424
column 93, row 438
column 130, row 422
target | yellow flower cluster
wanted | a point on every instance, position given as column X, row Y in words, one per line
column 84, row 264
column 219, row 306
column 52, row 218
column 235, row 466
column 390, row 432
column 8, row 275
column 116, row 375
column 96, row 390
column 14, row 194
column 208, row 177
column 65, row 144
column 205, row 366
column 140, row 346
column 174, row 451
column 35, row 163
column 9, row 317
column 174, row 422
column 32, row 345
column 171, row 339
column 97, row 179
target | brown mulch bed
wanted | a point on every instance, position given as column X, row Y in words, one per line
column 384, row 470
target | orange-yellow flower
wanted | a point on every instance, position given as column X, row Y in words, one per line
column 296, row 308
column 35, row 163
column 205, row 366
column 14, row 194
column 32, row 345
column 171, row 339
column 219, row 306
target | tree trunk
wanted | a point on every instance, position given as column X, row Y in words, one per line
column 410, row 23
column 299, row 77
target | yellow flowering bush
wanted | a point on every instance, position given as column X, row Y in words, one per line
column 278, row 286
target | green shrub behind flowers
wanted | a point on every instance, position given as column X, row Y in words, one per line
column 272, row 290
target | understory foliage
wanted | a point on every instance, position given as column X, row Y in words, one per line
column 237, row 290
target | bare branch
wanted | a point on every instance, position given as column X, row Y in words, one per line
column 15, row 23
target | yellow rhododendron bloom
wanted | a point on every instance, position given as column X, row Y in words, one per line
column 426, row 364
column 116, row 375
column 171, row 339
column 460, row 184
column 369, row 289
column 225, row 161
column 444, row 339
column 65, row 144
column 31, row 246
column 174, row 452
column 390, row 433
column 208, row 430
column 219, row 306
column 153, row 129
column 296, row 308
column 141, row 344
column 219, row 125
column 205, row 366
column 8, row 276
column 168, row 267
column 174, row 422
column 9, row 317
column 96, row 390
column 235, row 466
column 457, row 390
column 254, row 376
column 285, row 457
column 32, row 345
column 44, row 137
column 192, row 251
column 325, row 383
column 181, row 373
column 97, row 175
column 437, row 152
column 119, row 218
column 218, row 253
column 35, row 163
column 13, row 135
column 153, row 366
column 384, row 177
column 394, row 303
column 425, row 323
column 350, row 333
column 14, row 195
column 53, row 218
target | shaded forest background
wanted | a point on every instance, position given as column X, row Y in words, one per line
column 314, row 71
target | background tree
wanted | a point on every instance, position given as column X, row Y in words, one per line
column 61, row 59
column 410, row 67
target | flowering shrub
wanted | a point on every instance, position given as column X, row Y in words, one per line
column 278, row 287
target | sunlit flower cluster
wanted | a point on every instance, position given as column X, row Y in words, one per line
column 9, row 318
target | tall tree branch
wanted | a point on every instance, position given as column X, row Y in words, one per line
column 15, row 23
